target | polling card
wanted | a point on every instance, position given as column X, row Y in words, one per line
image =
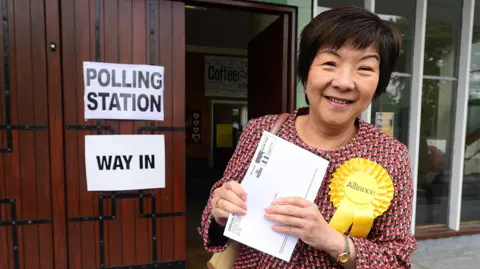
column 278, row 169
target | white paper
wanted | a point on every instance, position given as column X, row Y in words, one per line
column 124, row 162
column 123, row 91
column 278, row 169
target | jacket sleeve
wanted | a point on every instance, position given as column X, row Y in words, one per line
column 212, row 233
column 390, row 244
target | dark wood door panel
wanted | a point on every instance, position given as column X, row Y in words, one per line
column 26, row 233
column 268, row 69
column 134, row 227
column 42, row 169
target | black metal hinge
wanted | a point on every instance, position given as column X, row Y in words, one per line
column 14, row 223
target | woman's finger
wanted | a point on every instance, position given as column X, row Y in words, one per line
column 219, row 213
column 234, row 199
column 237, row 189
column 227, row 206
column 295, row 201
column 287, row 210
column 298, row 232
column 286, row 220
column 225, row 192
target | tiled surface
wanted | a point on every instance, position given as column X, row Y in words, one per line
column 446, row 253
column 460, row 252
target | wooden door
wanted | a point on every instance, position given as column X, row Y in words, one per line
column 27, row 174
column 123, row 229
column 268, row 71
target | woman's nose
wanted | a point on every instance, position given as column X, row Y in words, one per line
column 343, row 80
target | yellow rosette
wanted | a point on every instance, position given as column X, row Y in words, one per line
column 360, row 190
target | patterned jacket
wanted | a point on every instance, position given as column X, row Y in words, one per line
column 389, row 243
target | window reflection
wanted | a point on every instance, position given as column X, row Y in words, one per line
column 434, row 167
column 470, row 210
column 402, row 15
column 396, row 101
column 442, row 34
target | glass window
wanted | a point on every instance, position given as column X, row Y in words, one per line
column 442, row 34
column 471, row 169
column 434, row 168
column 402, row 15
column 390, row 111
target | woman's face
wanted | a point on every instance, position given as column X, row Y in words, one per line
column 341, row 84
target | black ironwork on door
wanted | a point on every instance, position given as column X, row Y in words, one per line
column 141, row 196
column 14, row 223
column 9, row 204
column 113, row 197
column 8, row 127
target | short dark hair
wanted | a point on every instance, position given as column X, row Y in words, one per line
column 359, row 28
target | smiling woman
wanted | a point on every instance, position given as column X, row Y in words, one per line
column 341, row 84
column 362, row 213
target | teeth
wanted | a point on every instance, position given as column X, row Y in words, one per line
column 341, row 102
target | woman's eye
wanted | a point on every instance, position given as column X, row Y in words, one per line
column 330, row 64
column 366, row 68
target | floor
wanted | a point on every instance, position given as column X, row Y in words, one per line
column 449, row 253
column 197, row 195
column 197, row 257
column 460, row 252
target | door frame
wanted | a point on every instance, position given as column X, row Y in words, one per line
column 212, row 123
column 289, row 11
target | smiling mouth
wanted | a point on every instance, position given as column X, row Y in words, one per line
column 338, row 101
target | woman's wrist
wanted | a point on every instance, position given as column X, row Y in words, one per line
column 335, row 244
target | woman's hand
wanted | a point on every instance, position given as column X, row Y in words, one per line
column 229, row 198
column 299, row 217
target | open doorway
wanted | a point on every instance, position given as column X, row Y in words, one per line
column 239, row 65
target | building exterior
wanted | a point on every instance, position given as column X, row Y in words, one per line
column 433, row 106
column 48, row 217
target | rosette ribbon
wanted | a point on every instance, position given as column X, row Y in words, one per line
column 360, row 190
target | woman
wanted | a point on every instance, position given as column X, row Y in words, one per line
column 346, row 59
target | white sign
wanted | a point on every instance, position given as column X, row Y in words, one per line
column 226, row 76
column 123, row 91
column 124, row 162
column 275, row 163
